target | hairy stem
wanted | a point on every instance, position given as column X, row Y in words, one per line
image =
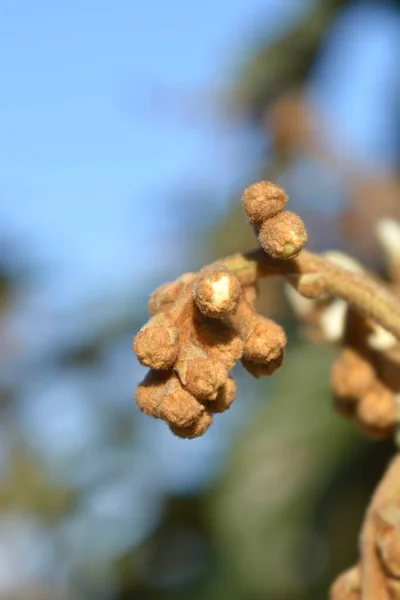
column 370, row 298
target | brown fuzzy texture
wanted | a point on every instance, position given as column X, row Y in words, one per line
column 163, row 297
column 156, row 344
column 224, row 399
column 351, row 376
column 265, row 341
column 388, row 537
column 377, row 412
column 220, row 340
column 381, row 515
column 310, row 286
column 258, row 369
column 150, row 392
column 283, row 236
column 217, row 292
column 347, row 586
column 200, row 376
column 178, row 407
column 197, row 429
column 263, row 200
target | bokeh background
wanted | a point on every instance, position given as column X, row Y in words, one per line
column 128, row 132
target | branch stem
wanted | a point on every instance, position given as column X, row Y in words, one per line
column 372, row 299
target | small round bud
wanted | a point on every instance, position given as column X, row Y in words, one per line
column 222, row 342
column 225, row 397
column 377, row 412
column 156, row 344
column 351, row 376
column 258, row 369
column 347, row 586
column 283, row 236
column 263, row 200
column 178, row 407
column 201, row 377
column 197, row 429
column 149, row 393
column 217, row 293
column 265, row 341
column 309, row 285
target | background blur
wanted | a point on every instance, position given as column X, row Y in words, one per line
column 128, row 133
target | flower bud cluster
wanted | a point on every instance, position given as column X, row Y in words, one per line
column 280, row 232
column 365, row 387
column 201, row 326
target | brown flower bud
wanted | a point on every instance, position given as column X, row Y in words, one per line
column 224, row 399
column 217, row 292
column 150, row 392
column 351, row 376
column 347, row 586
column 178, row 407
column 263, row 200
column 263, row 369
column 377, row 412
column 200, row 375
column 156, row 344
column 309, row 285
column 221, row 342
column 265, row 341
column 197, row 429
column 283, row 236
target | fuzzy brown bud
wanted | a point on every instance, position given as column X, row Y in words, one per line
column 347, row 586
column 309, row 285
column 351, row 376
column 224, row 399
column 263, row 369
column 265, row 341
column 221, row 342
column 263, row 200
column 200, row 375
column 149, row 393
column 377, row 412
column 217, row 292
column 178, row 407
column 197, row 429
column 156, row 344
column 283, row 236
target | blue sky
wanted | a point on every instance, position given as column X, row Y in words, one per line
column 84, row 164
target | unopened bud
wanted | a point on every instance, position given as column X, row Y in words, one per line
column 263, row 200
column 309, row 285
column 150, row 392
column 178, row 407
column 225, row 397
column 377, row 412
column 263, row 369
column 217, row 292
column 156, row 344
column 197, row 429
column 351, row 376
column 200, row 375
column 265, row 341
column 283, row 236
